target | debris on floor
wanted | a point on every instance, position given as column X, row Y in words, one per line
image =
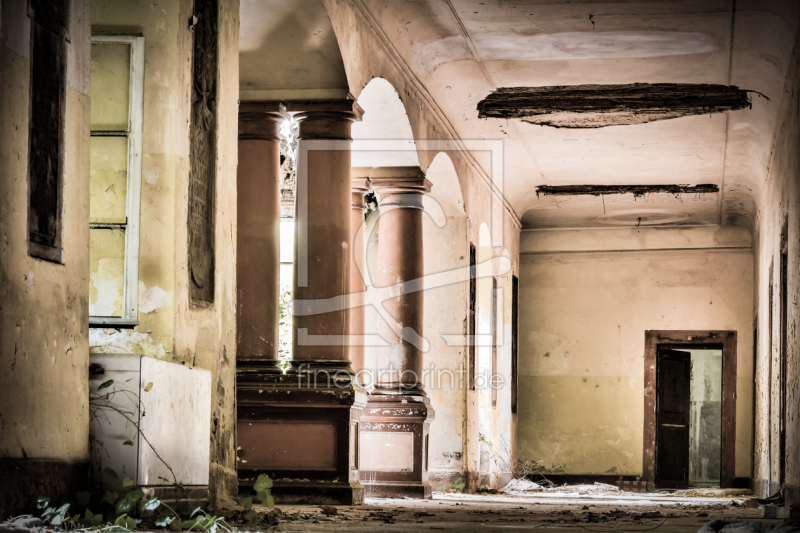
column 597, row 488
column 522, row 486
column 712, row 493
column 750, row 526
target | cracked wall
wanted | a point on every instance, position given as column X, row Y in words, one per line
column 780, row 204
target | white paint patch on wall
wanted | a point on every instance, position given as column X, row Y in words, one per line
column 124, row 341
column 153, row 298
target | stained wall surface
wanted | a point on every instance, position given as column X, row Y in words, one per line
column 44, row 353
column 446, row 249
column 44, row 306
column 171, row 325
column 777, row 230
column 583, row 317
column 164, row 159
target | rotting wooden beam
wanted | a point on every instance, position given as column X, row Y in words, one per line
column 596, row 106
column 636, row 190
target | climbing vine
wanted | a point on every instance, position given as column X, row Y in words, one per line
column 103, row 508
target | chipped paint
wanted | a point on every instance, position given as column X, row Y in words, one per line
column 153, row 298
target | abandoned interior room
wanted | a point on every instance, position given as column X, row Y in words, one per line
column 360, row 265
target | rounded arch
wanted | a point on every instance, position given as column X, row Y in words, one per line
column 385, row 120
column 445, row 189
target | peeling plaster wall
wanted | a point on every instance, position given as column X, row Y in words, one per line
column 780, row 201
column 44, row 353
column 583, row 316
column 44, row 306
column 164, row 158
column 170, row 326
column 205, row 336
column 445, row 248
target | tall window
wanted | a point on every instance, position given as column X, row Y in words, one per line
column 115, row 178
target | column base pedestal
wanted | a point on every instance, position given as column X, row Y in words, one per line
column 393, row 452
column 301, row 430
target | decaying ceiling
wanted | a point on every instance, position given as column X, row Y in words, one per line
column 596, row 106
column 695, row 54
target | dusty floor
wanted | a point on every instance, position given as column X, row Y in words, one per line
column 551, row 511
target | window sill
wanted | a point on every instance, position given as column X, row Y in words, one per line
column 112, row 322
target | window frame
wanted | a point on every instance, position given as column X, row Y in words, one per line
column 130, row 298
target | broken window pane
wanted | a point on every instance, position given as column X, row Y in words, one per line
column 106, row 271
column 110, row 86
column 108, row 183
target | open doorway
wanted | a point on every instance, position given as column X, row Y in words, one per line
column 688, row 417
column 690, row 408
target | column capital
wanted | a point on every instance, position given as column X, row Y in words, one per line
column 325, row 119
column 359, row 180
column 399, row 180
column 346, row 106
column 261, row 120
column 359, row 187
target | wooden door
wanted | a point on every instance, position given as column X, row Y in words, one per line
column 672, row 418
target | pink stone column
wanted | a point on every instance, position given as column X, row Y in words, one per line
column 322, row 234
column 301, row 428
column 258, row 234
column 400, row 259
column 395, row 425
column 360, row 186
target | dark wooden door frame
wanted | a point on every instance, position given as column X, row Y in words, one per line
column 684, row 339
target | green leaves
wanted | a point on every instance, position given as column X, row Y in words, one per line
column 126, row 522
column 261, row 486
column 105, row 384
column 55, row 517
column 164, row 521
column 151, row 504
column 83, row 498
column 110, row 473
column 92, row 520
column 262, row 483
column 148, row 387
column 247, row 503
column 251, row 518
column 118, row 519
column 128, row 502
column 268, row 501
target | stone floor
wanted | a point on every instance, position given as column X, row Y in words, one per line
column 551, row 511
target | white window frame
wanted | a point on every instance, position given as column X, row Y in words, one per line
column 130, row 299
